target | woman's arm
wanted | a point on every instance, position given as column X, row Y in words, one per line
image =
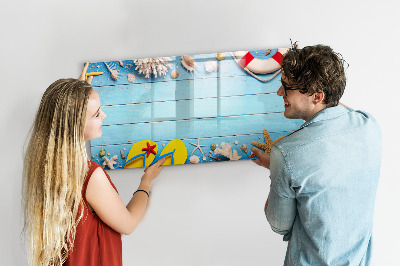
column 108, row 205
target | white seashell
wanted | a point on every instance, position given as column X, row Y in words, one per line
column 131, row 77
column 188, row 62
column 211, row 66
column 236, row 142
column 194, row 159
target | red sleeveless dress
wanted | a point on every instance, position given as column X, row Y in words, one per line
column 95, row 242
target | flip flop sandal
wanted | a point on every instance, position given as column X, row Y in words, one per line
column 175, row 152
column 141, row 154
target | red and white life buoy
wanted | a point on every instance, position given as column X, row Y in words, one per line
column 260, row 66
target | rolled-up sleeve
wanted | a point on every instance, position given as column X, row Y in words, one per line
column 281, row 210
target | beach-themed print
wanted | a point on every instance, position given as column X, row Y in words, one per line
column 189, row 109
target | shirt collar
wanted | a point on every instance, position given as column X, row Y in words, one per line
column 326, row 114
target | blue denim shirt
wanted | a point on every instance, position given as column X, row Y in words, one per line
column 324, row 178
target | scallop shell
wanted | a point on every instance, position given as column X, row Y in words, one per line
column 194, row 159
column 174, row 74
column 188, row 62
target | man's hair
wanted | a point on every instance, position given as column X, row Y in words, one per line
column 316, row 69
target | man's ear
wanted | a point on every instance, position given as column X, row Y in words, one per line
column 318, row 97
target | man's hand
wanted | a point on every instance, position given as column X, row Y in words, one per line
column 264, row 159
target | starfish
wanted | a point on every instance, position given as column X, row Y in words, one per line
column 149, row 149
column 267, row 146
column 110, row 162
column 198, row 146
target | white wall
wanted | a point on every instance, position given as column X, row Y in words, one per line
column 209, row 214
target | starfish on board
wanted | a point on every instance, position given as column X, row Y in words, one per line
column 149, row 149
column 110, row 162
column 198, row 146
column 267, row 145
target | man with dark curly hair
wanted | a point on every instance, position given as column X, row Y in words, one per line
column 324, row 175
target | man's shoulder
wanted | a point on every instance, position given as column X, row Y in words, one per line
column 292, row 142
column 350, row 124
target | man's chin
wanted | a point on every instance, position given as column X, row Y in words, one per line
column 287, row 115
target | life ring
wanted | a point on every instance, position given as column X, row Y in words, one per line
column 260, row 66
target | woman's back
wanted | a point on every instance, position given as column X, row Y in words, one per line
column 95, row 242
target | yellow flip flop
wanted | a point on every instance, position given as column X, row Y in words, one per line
column 141, row 154
column 175, row 152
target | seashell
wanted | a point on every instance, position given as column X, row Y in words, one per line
column 213, row 147
column 174, row 74
column 120, row 63
column 215, row 158
column 131, row 77
column 194, row 159
column 236, row 142
column 244, row 147
column 122, row 154
column 268, row 52
column 220, row 56
column 114, row 73
column 211, row 66
column 188, row 62
column 102, row 152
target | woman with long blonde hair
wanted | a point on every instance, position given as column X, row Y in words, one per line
column 73, row 213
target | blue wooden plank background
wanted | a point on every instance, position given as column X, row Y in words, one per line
column 227, row 105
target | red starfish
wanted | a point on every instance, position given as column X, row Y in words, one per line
column 149, row 149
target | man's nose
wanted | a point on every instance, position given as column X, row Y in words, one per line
column 280, row 91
